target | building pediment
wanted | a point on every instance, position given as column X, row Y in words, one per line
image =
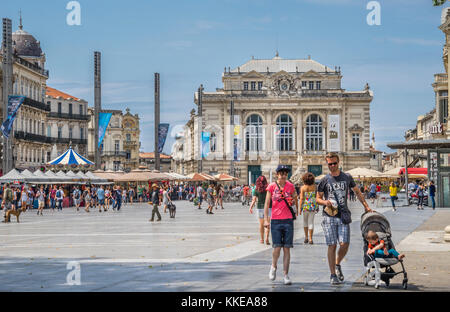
column 253, row 74
column 281, row 73
column 311, row 74
column 356, row 127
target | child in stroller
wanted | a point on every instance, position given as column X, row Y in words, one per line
column 375, row 229
column 378, row 248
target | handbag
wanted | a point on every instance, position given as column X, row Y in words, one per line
column 290, row 208
column 346, row 214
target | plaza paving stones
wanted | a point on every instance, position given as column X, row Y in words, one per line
column 123, row 251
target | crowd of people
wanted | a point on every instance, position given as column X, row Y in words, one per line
column 278, row 204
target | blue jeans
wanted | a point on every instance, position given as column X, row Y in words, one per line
column 118, row 203
column 433, row 202
column 380, row 253
column 282, row 233
column 52, row 203
column 393, row 202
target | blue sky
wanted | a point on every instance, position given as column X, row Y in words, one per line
column 190, row 42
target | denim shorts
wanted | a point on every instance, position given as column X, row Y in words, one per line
column 261, row 213
column 282, row 233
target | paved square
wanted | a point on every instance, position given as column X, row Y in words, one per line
column 123, row 251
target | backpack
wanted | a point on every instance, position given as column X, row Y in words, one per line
column 58, row 193
column 77, row 194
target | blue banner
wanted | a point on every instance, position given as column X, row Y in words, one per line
column 163, row 130
column 103, row 122
column 14, row 102
column 206, row 136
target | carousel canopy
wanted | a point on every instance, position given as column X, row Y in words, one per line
column 70, row 157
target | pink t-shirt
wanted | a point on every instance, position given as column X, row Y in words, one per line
column 279, row 208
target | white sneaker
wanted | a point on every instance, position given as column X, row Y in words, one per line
column 272, row 273
column 287, row 280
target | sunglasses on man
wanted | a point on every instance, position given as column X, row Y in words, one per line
column 332, row 164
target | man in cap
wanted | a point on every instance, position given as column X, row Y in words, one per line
column 156, row 202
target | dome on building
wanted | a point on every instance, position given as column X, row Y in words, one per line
column 25, row 44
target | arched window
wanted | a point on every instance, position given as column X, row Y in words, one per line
column 314, row 133
column 284, row 133
column 254, row 133
column 213, row 142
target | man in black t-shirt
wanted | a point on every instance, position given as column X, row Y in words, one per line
column 332, row 193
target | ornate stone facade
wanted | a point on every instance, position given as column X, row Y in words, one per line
column 285, row 111
column 120, row 146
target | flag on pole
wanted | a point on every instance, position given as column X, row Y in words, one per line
column 206, row 137
column 103, row 122
column 163, row 130
column 14, row 102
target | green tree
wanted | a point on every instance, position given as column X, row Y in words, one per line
column 439, row 2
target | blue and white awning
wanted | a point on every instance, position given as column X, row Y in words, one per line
column 70, row 157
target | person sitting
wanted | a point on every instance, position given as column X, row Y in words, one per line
column 378, row 248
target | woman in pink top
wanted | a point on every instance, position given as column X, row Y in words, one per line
column 283, row 196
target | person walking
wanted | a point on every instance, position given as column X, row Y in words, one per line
column 219, row 198
column 59, row 197
column 76, row 196
column 40, row 195
column 420, row 192
column 156, row 202
column 52, row 198
column 101, row 198
column 87, row 199
column 166, row 198
column 259, row 198
column 24, row 198
column 283, row 196
column 210, row 199
column 107, row 197
column 373, row 192
column 200, row 192
column 393, row 189
column 8, row 198
column 308, row 205
column 332, row 193
column 119, row 198
column 432, row 193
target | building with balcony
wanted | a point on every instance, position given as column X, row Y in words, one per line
column 285, row 111
column 120, row 147
column 30, row 145
column 67, row 122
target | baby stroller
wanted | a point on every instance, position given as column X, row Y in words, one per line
column 374, row 221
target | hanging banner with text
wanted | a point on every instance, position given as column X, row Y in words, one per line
column 14, row 103
column 334, row 136
column 163, row 130
column 103, row 122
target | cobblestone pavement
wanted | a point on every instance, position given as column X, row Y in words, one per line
column 123, row 251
